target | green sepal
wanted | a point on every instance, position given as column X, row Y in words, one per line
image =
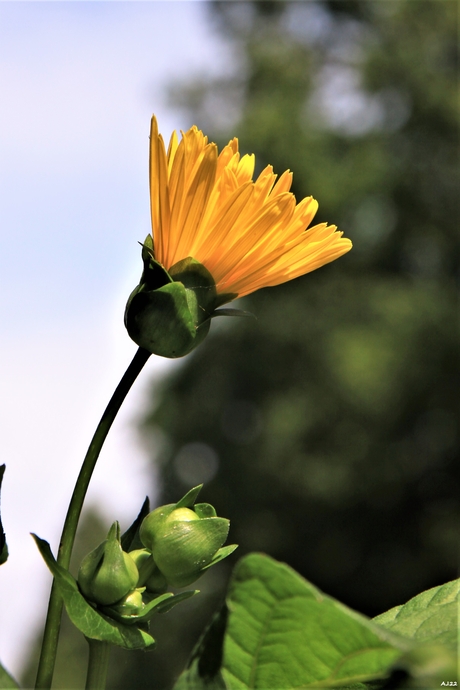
column 224, row 298
column 204, row 510
column 130, row 540
column 168, row 604
column 3, row 544
column 160, row 604
column 232, row 312
column 221, row 554
column 154, row 274
column 190, row 497
column 87, row 619
column 148, row 251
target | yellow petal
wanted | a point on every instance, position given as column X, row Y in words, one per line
column 248, row 234
column 159, row 191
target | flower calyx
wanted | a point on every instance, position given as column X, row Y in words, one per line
column 169, row 312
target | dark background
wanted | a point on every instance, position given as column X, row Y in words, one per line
column 326, row 429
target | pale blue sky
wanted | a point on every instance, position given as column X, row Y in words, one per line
column 78, row 83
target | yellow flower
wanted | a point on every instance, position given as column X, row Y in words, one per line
column 248, row 234
column 217, row 235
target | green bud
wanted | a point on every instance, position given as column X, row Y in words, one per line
column 144, row 564
column 169, row 313
column 131, row 605
column 182, row 542
column 156, row 583
column 149, row 575
column 152, row 522
column 107, row 574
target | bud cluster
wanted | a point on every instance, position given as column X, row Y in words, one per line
column 180, row 541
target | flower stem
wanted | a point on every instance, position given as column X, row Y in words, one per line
column 98, row 663
column 53, row 620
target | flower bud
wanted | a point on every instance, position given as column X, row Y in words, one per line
column 169, row 313
column 107, row 573
column 183, row 541
column 156, row 583
column 131, row 605
column 149, row 575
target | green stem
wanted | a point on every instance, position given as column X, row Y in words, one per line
column 53, row 619
column 98, row 663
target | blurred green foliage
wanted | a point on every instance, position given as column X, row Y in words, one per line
column 326, row 430
column 332, row 419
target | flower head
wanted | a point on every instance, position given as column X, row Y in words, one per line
column 248, row 234
column 217, row 234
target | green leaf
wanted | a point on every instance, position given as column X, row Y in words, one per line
column 431, row 620
column 130, row 540
column 425, row 666
column 3, row 544
column 282, row 632
column 87, row 619
column 430, row 617
column 7, row 682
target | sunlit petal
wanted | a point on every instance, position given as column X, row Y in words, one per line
column 248, row 233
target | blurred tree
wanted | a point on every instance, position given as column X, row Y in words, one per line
column 333, row 418
column 326, row 430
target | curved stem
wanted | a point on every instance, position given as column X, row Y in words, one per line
column 53, row 619
column 98, row 663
